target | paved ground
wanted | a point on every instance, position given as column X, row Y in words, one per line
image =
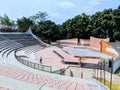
column 88, row 73
column 51, row 59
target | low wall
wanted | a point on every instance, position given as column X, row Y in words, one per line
column 85, row 42
column 96, row 42
column 107, row 49
column 73, row 41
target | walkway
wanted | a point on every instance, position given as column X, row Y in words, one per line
column 49, row 57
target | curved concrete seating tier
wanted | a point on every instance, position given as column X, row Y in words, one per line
column 17, row 36
column 21, row 77
column 6, row 47
column 10, row 43
column 28, row 42
column 19, row 74
column 24, row 39
column 29, row 50
column 2, row 37
column 4, row 88
column 14, row 84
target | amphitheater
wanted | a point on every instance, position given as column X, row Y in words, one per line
column 20, row 68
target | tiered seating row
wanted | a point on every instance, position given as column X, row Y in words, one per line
column 28, row 42
column 4, row 88
column 10, row 44
column 30, row 77
column 24, row 39
column 7, row 47
column 17, row 36
column 2, row 38
column 31, row 49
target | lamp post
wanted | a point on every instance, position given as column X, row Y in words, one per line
column 104, row 72
column 100, row 67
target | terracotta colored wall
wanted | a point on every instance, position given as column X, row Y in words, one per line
column 96, row 42
column 73, row 41
column 85, row 42
column 58, row 41
column 107, row 49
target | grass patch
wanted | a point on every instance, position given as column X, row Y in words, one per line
column 115, row 86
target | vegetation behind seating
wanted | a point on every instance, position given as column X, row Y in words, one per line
column 102, row 24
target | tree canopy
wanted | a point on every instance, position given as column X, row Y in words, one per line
column 102, row 24
column 24, row 24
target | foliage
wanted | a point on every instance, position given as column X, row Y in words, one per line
column 47, row 30
column 115, row 86
column 102, row 24
column 81, row 58
column 116, row 14
column 6, row 21
column 6, row 29
column 78, row 26
column 24, row 24
column 39, row 17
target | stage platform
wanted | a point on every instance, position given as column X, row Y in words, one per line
column 85, row 52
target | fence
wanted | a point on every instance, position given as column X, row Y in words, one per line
column 34, row 65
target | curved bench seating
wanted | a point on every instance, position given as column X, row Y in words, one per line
column 30, row 77
column 6, row 47
column 19, row 72
column 31, row 49
column 5, row 54
column 4, row 88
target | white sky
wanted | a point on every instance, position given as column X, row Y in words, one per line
column 58, row 10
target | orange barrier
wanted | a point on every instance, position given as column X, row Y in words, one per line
column 107, row 49
column 73, row 41
column 85, row 42
column 96, row 42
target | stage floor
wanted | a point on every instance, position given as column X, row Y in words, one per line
column 85, row 52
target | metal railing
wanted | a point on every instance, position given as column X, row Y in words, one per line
column 34, row 65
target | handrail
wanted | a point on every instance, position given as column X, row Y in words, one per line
column 58, row 54
column 66, row 69
column 32, row 64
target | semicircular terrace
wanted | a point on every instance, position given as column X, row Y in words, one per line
column 18, row 76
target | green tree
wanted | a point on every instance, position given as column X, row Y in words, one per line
column 47, row 30
column 39, row 17
column 82, row 25
column 5, row 20
column 116, row 14
column 62, row 31
column 67, row 26
column 24, row 24
column 78, row 27
column 6, row 23
column 103, row 24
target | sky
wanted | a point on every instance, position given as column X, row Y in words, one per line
column 58, row 10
